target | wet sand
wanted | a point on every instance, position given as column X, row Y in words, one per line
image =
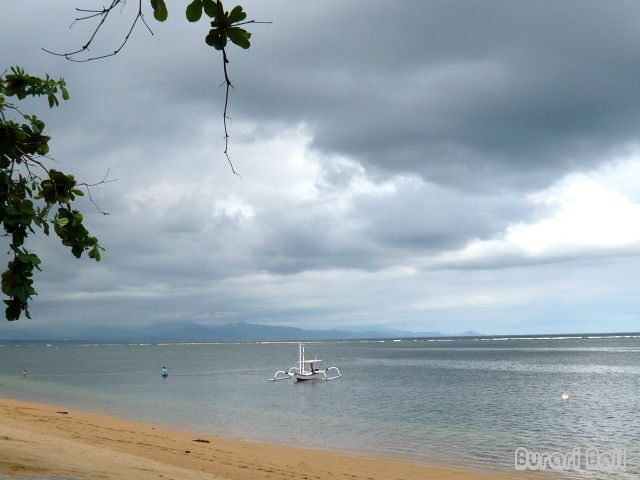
column 38, row 440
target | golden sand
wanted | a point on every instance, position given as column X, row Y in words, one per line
column 42, row 440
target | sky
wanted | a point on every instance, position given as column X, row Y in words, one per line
column 422, row 165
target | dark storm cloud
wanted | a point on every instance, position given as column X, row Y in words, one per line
column 484, row 95
column 425, row 217
column 480, row 94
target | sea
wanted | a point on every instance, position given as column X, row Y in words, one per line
column 483, row 403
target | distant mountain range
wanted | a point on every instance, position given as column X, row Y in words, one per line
column 197, row 332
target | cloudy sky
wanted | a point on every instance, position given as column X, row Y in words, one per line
column 424, row 165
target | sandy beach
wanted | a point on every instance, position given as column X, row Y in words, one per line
column 44, row 440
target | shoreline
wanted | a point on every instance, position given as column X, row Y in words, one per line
column 42, row 440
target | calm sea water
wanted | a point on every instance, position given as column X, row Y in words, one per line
column 468, row 402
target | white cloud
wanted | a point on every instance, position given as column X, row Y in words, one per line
column 587, row 215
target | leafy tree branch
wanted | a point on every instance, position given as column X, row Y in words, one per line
column 31, row 194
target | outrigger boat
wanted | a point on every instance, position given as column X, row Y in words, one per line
column 307, row 369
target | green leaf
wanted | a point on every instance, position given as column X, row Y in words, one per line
column 239, row 36
column 194, row 11
column 95, row 253
column 21, row 293
column 160, row 12
column 65, row 93
column 216, row 39
column 62, row 221
column 12, row 312
column 236, row 15
column 43, row 149
column 209, row 8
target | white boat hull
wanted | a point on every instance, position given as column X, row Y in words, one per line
column 308, row 376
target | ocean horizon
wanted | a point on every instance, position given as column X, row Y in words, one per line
column 468, row 402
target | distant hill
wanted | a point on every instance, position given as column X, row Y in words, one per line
column 470, row 333
column 197, row 332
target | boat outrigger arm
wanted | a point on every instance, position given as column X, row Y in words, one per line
column 307, row 370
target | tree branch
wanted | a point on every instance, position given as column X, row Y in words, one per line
column 103, row 14
column 228, row 85
column 88, row 186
